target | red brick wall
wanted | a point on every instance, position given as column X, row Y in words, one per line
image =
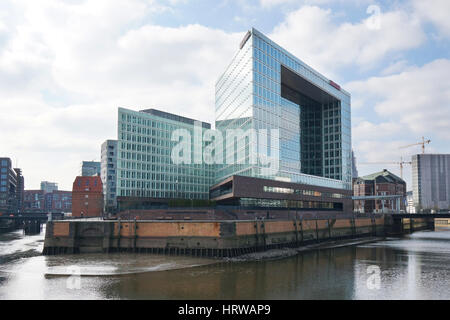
column 87, row 197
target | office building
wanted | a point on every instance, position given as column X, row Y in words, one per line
column 266, row 87
column 145, row 169
column 381, row 184
column 109, row 173
column 48, row 187
column 87, row 197
column 301, row 119
column 355, row 173
column 431, row 181
column 20, row 189
column 11, row 187
column 90, row 168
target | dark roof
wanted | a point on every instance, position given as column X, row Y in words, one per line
column 385, row 175
column 175, row 117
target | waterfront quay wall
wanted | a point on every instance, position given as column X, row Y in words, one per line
column 226, row 238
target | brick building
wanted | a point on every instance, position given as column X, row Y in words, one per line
column 87, row 197
column 383, row 183
column 34, row 201
column 42, row 201
column 58, row 201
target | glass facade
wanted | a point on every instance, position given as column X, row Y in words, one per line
column 109, row 172
column 144, row 163
column 265, row 87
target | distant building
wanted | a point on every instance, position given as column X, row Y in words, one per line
column 354, row 169
column 20, row 188
column 410, row 208
column 109, row 173
column 42, row 201
column 58, row 201
column 48, row 187
column 90, row 168
column 87, row 197
column 34, row 201
column 431, row 181
column 11, row 187
column 383, row 183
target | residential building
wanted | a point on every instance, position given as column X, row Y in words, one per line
column 300, row 118
column 42, row 201
column 58, row 201
column 87, row 197
column 389, row 188
column 431, row 181
column 90, row 168
column 34, row 201
column 109, row 173
column 145, row 170
column 48, row 186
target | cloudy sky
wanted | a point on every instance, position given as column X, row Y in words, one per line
column 66, row 65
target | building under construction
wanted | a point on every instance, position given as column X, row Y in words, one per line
column 431, row 182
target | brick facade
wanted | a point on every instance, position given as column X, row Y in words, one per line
column 87, row 197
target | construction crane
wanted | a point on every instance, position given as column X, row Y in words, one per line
column 423, row 143
column 400, row 163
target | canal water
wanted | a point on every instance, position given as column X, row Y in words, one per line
column 414, row 267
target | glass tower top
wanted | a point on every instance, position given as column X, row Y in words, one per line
column 267, row 88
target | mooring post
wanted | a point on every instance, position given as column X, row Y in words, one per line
column 134, row 235
column 317, row 231
column 329, row 229
column 256, row 235
column 119, row 227
column 296, row 231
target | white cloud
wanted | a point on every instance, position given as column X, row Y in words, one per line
column 409, row 105
column 272, row 3
column 436, row 12
column 418, row 99
column 396, row 67
column 67, row 66
column 311, row 34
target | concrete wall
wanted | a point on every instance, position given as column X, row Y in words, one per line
column 212, row 238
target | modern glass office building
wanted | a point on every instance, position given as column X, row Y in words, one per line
column 144, row 164
column 266, row 87
column 109, row 172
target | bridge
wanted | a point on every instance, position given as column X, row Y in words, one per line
column 443, row 215
column 43, row 217
column 30, row 222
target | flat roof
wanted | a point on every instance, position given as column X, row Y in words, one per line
column 173, row 117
